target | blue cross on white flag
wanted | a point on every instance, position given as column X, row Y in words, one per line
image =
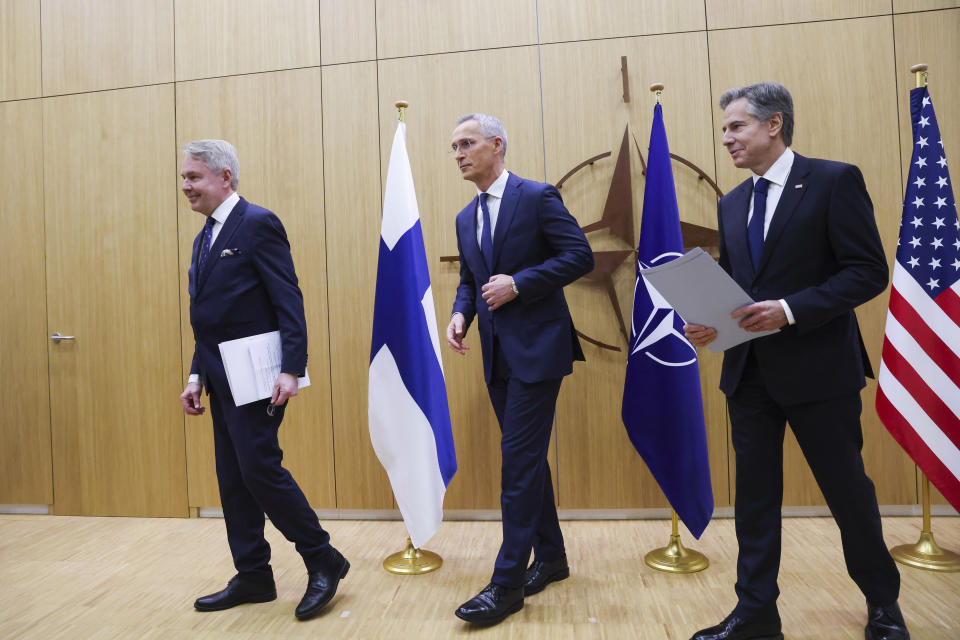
column 407, row 399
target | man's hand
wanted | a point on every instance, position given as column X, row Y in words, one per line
column 498, row 291
column 455, row 332
column 761, row 316
column 285, row 387
column 699, row 335
column 190, row 399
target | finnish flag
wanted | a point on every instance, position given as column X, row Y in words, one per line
column 407, row 399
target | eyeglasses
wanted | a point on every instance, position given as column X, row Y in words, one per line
column 465, row 145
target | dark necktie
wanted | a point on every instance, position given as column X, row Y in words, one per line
column 755, row 228
column 205, row 246
column 486, row 237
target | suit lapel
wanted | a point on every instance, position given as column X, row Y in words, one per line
column 229, row 228
column 508, row 208
column 735, row 219
column 193, row 276
column 793, row 191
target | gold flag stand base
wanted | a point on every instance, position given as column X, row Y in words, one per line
column 926, row 553
column 412, row 562
column 675, row 558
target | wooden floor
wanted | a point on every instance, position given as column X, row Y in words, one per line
column 101, row 578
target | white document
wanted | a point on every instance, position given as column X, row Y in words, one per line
column 252, row 365
column 703, row 293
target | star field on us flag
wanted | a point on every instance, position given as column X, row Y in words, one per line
column 929, row 245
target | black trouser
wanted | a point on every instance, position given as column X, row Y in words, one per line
column 830, row 437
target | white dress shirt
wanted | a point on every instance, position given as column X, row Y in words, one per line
column 220, row 215
column 777, row 176
column 494, row 198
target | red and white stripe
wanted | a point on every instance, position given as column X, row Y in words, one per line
column 919, row 395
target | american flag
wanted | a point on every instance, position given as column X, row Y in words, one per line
column 919, row 395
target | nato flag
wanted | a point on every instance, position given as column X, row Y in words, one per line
column 662, row 405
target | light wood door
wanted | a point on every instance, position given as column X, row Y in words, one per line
column 111, row 231
column 25, row 472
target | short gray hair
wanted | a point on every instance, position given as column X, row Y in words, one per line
column 217, row 155
column 765, row 99
column 490, row 126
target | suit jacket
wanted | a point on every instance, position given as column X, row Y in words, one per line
column 252, row 291
column 823, row 255
column 540, row 244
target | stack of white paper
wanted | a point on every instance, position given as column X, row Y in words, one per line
column 252, row 365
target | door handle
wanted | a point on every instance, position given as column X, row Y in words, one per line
column 57, row 337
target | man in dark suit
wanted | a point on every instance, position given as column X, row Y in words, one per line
column 242, row 283
column 801, row 238
column 519, row 246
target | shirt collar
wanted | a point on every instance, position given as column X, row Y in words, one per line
column 498, row 187
column 220, row 213
column 779, row 171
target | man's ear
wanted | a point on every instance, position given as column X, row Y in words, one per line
column 775, row 124
column 227, row 175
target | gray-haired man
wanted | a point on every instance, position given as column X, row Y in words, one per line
column 800, row 236
column 242, row 283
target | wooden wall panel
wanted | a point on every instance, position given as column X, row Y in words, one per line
column 227, row 37
column 353, row 204
column 903, row 6
column 25, row 475
column 348, row 31
column 440, row 89
column 726, row 14
column 930, row 37
column 419, row 27
column 89, row 45
column 274, row 120
column 118, row 446
column 19, row 49
column 584, row 115
column 563, row 20
column 833, row 121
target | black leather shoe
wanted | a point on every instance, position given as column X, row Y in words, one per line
column 491, row 605
column 238, row 591
column 540, row 574
column 885, row 623
column 734, row 627
column 321, row 587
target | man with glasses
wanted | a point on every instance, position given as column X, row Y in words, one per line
column 519, row 246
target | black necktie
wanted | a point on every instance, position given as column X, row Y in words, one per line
column 205, row 246
column 755, row 228
column 486, row 237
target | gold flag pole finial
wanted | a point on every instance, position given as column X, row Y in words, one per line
column 402, row 109
column 675, row 558
column 657, row 87
column 921, row 72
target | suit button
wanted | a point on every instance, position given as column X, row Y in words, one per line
column 755, row 291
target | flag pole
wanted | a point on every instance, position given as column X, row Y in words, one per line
column 926, row 553
column 411, row 561
column 674, row 558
